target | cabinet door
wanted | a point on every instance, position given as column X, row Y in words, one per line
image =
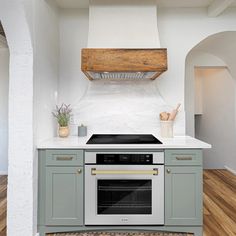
column 183, row 195
column 64, row 196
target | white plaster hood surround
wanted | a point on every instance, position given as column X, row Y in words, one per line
column 123, row 24
column 122, row 106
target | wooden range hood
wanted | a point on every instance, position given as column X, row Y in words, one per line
column 122, row 64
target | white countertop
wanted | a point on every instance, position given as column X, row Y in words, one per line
column 75, row 142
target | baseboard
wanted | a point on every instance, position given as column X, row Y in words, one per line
column 3, row 173
column 230, row 170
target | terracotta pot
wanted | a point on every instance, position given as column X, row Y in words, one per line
column 63, row 132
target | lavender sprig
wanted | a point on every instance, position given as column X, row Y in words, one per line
column 62, row 114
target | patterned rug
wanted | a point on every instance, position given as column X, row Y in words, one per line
column 121, row 234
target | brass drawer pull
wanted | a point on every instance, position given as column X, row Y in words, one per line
column 79, row 171
column 64, row 158
column 184, row 158
column 168, row 171
column 124, row 172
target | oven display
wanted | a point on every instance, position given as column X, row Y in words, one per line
column 124, row 159
column 124, row 197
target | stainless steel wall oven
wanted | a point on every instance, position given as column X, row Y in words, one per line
column 124, row 188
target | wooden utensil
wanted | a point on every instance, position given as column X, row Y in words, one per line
column 174, row 113
column 164, row 116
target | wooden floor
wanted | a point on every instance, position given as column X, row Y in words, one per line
column 219, row 203
column 3, row 204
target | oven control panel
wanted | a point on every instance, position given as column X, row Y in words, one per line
column 125, row 159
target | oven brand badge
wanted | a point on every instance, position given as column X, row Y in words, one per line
column 124, row 220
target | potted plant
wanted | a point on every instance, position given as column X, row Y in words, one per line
column 63, row 114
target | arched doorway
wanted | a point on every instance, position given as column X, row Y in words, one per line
column 20, row 208
column 210, row 80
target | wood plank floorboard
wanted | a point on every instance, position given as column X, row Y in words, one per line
column 3, row 204
column 219, row 203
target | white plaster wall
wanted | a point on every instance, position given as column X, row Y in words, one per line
column 180, row 29
column 198, row 95
column 46, row 74
column 217, row 125
column 73, row 37
column 46, row 67
column 4, row 87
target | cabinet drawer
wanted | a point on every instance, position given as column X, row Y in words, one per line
column 64, row 157
column 183, row 157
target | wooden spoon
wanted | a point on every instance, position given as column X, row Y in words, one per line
column 174, row 113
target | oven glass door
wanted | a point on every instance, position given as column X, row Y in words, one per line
column 124, row 196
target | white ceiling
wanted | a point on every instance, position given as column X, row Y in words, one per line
column 161, row 3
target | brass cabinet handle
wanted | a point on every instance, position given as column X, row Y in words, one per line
column 79, row 171
column 94, row 171
column 64, row 158
column 184, row 158
column 168, row 171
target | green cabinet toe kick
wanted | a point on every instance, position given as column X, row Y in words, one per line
column 61, row 192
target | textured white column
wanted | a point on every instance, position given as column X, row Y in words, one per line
column 20, row 212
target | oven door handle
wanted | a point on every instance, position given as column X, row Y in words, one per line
column 94, row 171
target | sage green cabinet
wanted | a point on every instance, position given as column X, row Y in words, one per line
column 183, row 188
column 61, row 191
column 61, row 188
column 64, row 157
column 64, row 195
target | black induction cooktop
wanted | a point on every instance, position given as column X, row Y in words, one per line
column 123, row 139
